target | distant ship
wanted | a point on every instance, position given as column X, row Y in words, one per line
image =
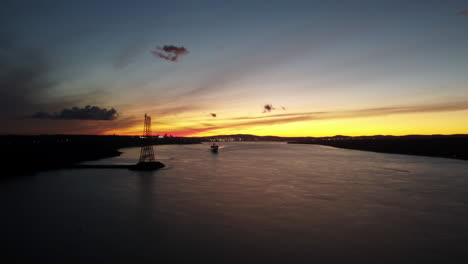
column 214, row 147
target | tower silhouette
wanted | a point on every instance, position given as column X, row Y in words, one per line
column 147, row 152
column 146, row 161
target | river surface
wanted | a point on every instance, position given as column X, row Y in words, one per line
column 256, row 202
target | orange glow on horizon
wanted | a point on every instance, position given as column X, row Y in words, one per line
column 401, row 124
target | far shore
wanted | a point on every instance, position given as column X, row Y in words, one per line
column 450, row 146
column 27, row 155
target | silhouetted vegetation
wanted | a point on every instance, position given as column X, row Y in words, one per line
column 23, row 155
column 446, row 146
column 452, row 146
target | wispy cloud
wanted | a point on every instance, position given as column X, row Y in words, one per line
column 177, row 109
column 463, row 13
column 128, row 55
column 242, row 122
column 276, row 116
column 222, row 78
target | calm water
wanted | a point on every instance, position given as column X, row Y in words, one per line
column 250, row 203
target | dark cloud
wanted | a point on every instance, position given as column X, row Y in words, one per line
column 268, row 108
column 284, row 108
column 28, row 79
column 170, row 52
column 463, row 13
column 173, row 49
column 213, row 114
column 86, row 113
column 24, row 78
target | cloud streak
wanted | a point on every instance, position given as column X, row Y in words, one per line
column 242, row 122
column 177, row 109
column 170, row 52
column 367, row 112
column 86, row 113
column 463, row 13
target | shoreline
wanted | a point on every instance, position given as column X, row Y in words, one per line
column 452, row 147
column 29, row 155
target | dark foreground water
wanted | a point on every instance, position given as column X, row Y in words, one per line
column 251, row 203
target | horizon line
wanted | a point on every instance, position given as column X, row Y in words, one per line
column 337, row 135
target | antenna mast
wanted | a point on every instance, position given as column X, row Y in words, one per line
column 147, row 152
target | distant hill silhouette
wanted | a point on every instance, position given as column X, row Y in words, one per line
column 447, row 146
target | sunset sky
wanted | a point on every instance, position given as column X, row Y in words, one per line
column 285, row 68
